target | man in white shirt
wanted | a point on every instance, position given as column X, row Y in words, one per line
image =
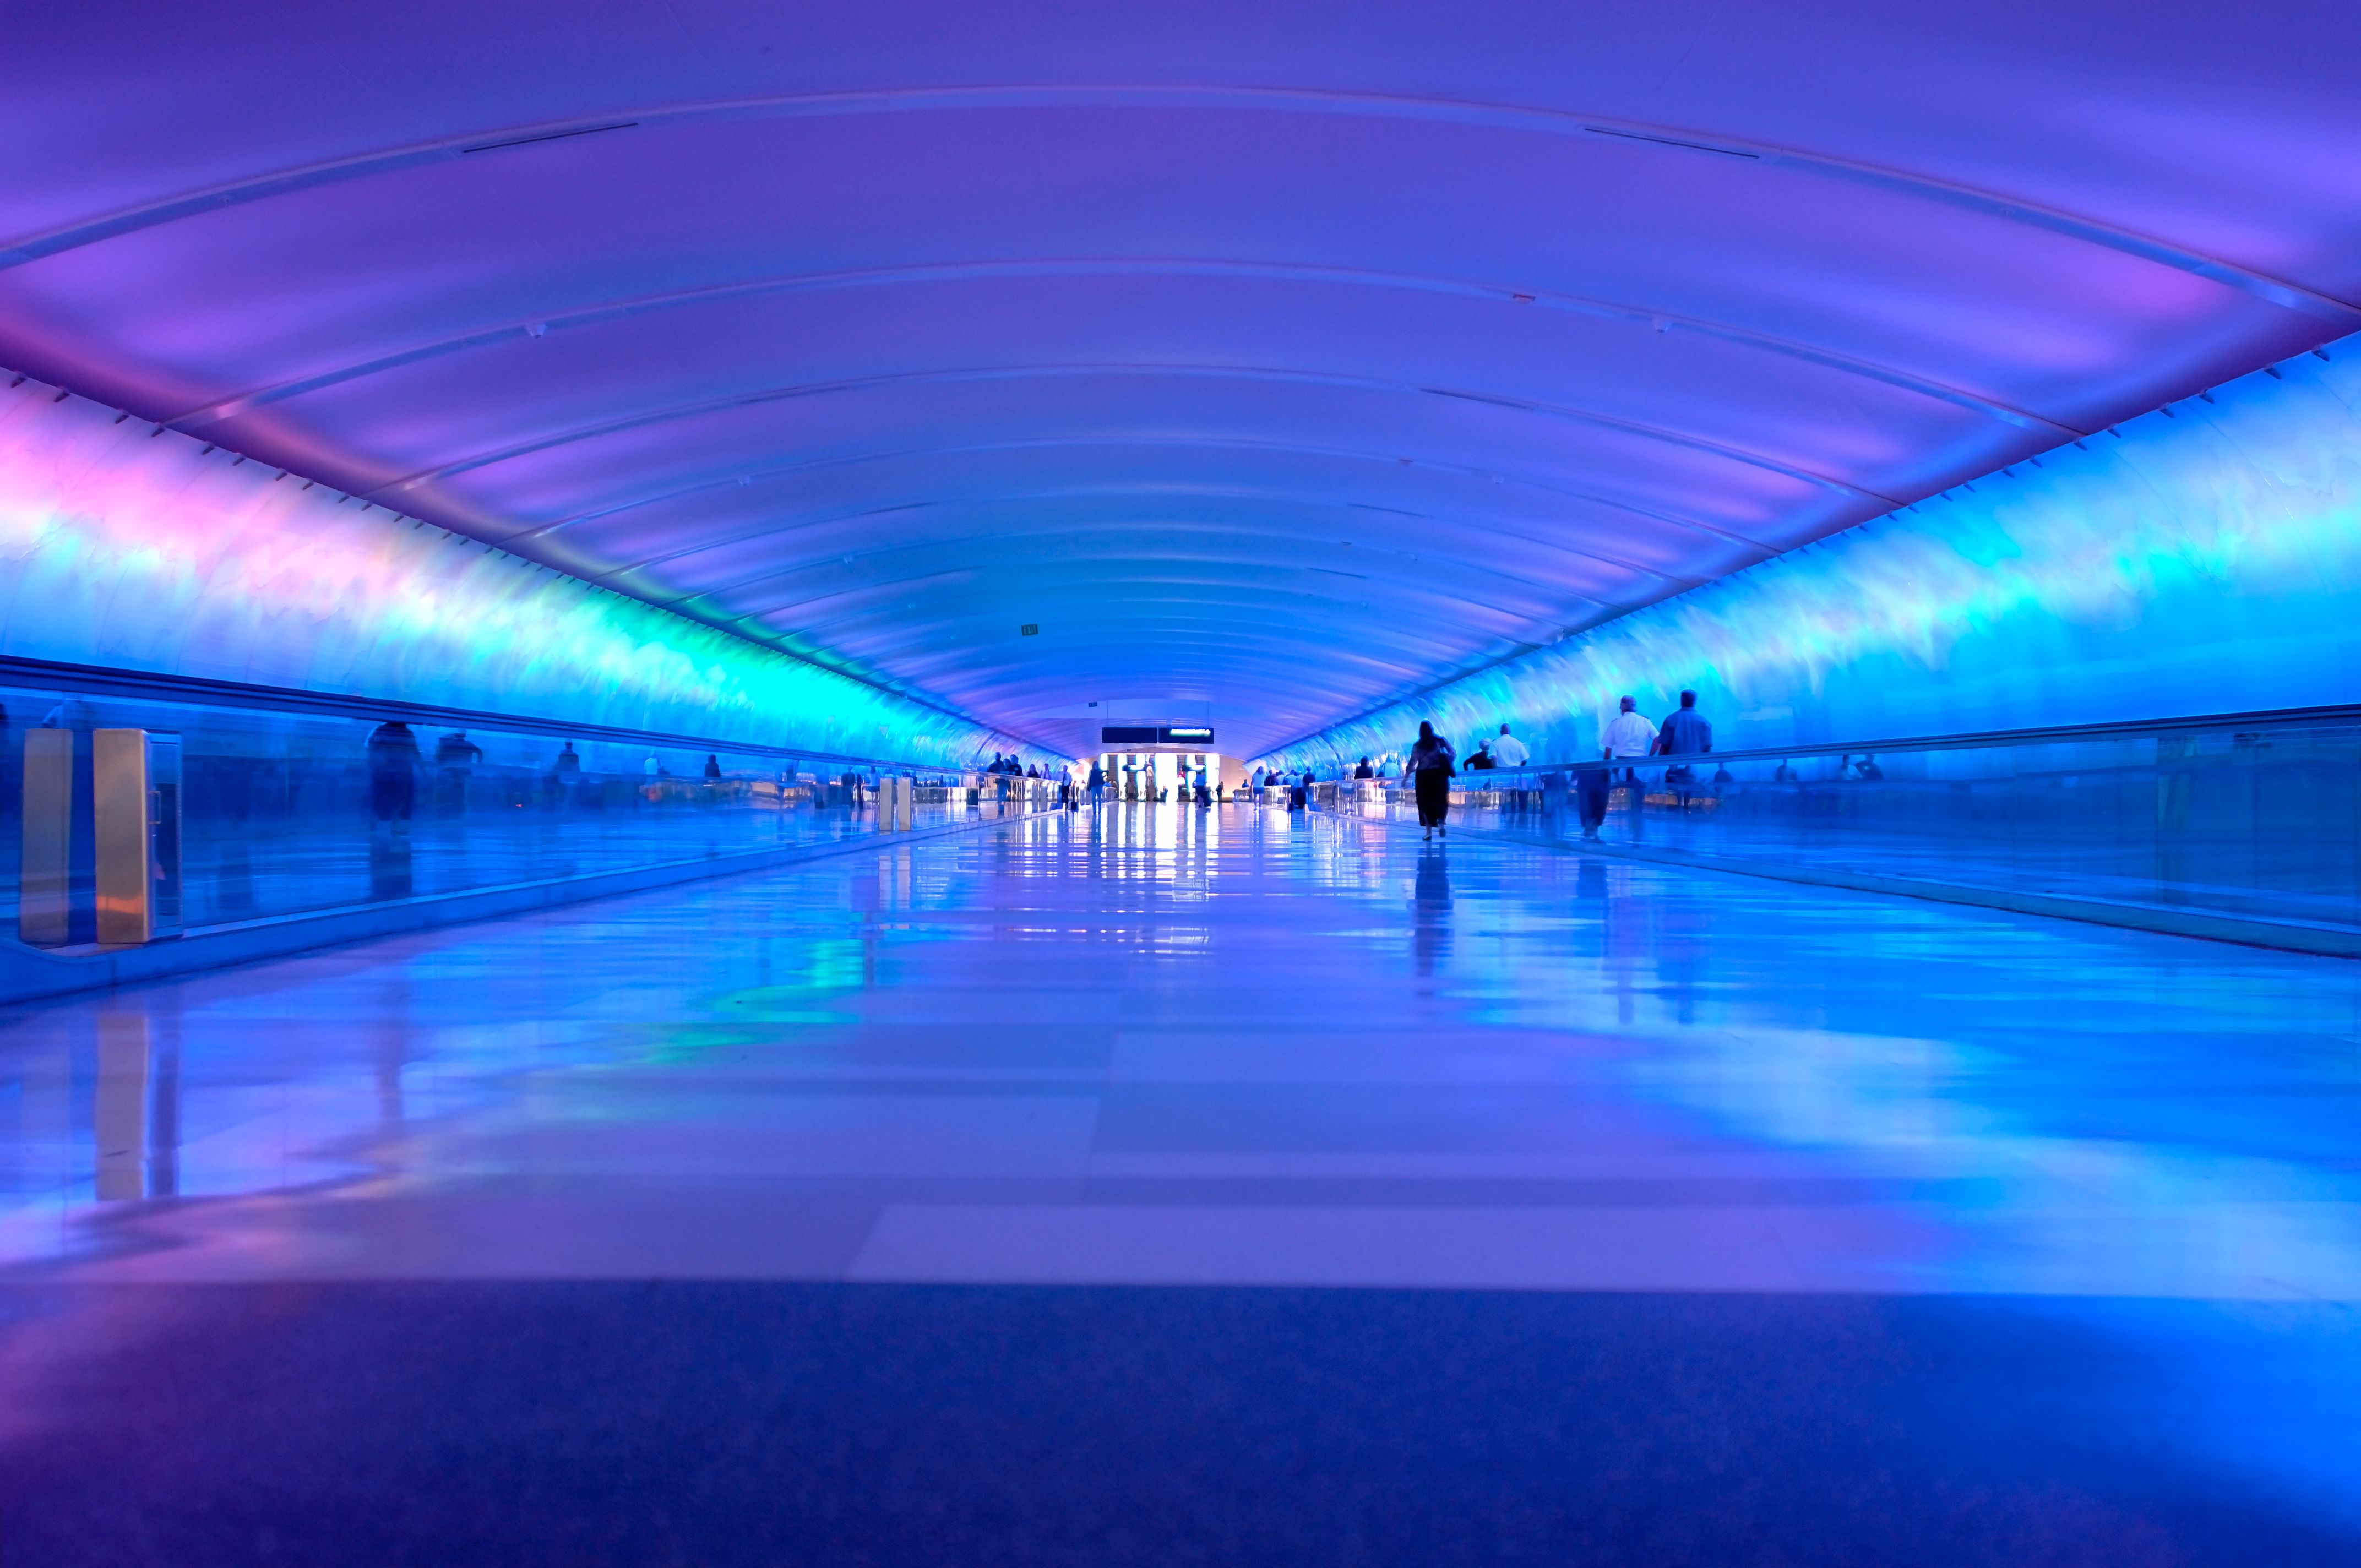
column 1629, row 736
column 1509, row 752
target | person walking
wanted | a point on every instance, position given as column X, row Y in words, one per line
column 1629, row 736
column 1432, row 764
column 1684, row 733
column 1364, row 771
column 1595, row 787
column 1509, row 752
column 393, row 764
column 562, row 783
column 456, row 757
column 1097, row 785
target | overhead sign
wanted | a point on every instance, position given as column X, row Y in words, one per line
column 1156, row 735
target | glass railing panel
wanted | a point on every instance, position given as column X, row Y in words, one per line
column 284, row 814
column 2256, row 819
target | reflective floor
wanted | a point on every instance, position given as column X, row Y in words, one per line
column 240, row 871
column 1194, row 1187
column 2288, row 865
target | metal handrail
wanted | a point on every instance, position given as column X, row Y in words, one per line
column 1979, row 739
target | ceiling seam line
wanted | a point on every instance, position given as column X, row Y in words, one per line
column 1277, row 376
column 1286, row 448
column 1555, row 122
column 202, row 415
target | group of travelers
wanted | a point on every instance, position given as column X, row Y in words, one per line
column 1298, row 785
column 1431, row 762
column 1196, row 786
column 1684, row 733
column 395, row 761
column 1502, row 751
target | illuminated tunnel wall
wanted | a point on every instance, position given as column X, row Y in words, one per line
column 149, row 552
column 2203, row 558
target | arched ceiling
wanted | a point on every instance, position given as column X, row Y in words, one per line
column 1274, row 360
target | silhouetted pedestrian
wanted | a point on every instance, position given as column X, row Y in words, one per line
column 393, row 764
column 1684, row 733
column 1430, row 765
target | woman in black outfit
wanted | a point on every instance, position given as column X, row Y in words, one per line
column 1431, row 766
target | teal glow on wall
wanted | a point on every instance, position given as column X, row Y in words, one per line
column 149, row 552
column 2204, row 558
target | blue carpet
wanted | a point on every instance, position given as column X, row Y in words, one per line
column 696, row 1425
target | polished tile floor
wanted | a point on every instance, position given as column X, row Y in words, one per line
column 1170, row 1186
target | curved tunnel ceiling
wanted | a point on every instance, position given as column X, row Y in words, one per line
column 1275, row 362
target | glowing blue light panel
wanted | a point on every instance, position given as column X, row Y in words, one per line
column 2202, row 559
column 143, row 550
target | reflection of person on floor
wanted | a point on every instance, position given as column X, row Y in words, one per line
column 565, row 775
column 1431, row 910
column 390, row 874
column 393, row 764
column 456, row 757
column 1591, row 788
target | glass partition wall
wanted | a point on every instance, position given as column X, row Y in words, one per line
column 286, row 813
column 2253, row 816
